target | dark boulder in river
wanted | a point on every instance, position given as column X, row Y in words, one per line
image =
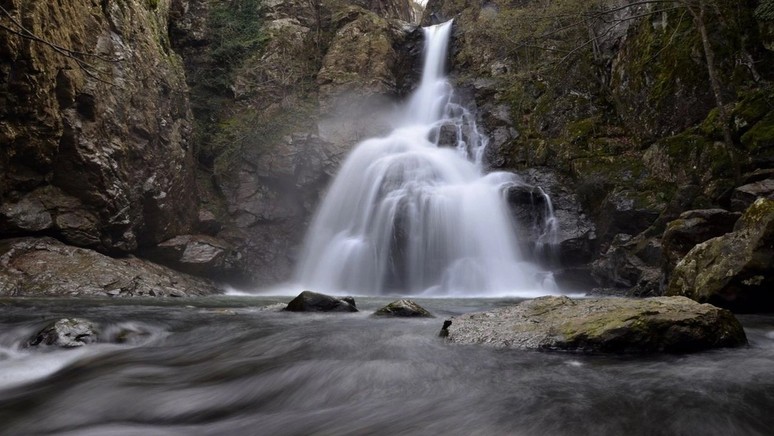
column 309, row 301
column 66, row 333
column 602, row 325
column 404, row 308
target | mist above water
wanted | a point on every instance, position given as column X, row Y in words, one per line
column 414, row 212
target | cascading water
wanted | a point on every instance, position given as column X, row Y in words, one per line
column 413, row 213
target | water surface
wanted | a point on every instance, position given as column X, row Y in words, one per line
column 224, row 366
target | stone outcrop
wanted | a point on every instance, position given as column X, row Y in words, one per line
column 35, row 267
column 196, row 254
column 631, row 264
column 309, row 301
column 95, row 125
column 735, row 270
column 404, row 309
column 692, row 228
column 609, row 325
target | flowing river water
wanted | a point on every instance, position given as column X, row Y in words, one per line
column 224, row 365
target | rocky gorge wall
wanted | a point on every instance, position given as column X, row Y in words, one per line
column 613, row 111
column 200, row 134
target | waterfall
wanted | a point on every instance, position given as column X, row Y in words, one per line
column 414, row 213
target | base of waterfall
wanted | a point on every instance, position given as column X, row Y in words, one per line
column 602, row 325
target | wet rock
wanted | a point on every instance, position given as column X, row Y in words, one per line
column 66, row 333
column 624, row 212
column 195, row 254
column 47, row 267
column 632, row 265
column 208, row 223
column 309, row 301
column 735, row 270
column 575, row 239
column 691, row 228
column 446, row 135
column 744, row 196
column 404, row 308
column 601, row 325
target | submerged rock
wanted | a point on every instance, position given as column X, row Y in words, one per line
column 404, row 308
column 66, row 333
column 607, row 325
column 309, row 301
column 733, row 270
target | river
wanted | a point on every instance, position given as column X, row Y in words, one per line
column 224, row 365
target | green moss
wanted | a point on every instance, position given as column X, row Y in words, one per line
column 253, row 133
column 760, row 212
column 582, row 130
column 765, row 11
column 760, row 138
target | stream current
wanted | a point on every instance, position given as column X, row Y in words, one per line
column 222, row 365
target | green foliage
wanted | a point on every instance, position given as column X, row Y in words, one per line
column 252, row 132
column 236, row 27
column 765, row 11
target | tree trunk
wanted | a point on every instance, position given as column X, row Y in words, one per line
column 709, row 55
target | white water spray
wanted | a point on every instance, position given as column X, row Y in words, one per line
column 413, row 213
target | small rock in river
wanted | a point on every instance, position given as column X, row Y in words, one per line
column 309, row 301
column 66, row 333
column 404, row 308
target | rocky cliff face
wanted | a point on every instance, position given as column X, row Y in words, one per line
column 102, row 150
column 279, row 104
column 201, row 133
column 94, row 124
column 619, row 101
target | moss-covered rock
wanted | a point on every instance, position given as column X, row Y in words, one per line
column 612, row 325
column 95, row 107
column 691, row 228
column 735, row 270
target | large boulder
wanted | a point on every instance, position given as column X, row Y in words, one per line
column 405, row 309
column 46, row 267
column 66, row 333
column 309, row 301
column 607, row 325
column 735, row 270
column 691, row 228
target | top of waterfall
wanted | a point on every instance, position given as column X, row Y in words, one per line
column 433, row 93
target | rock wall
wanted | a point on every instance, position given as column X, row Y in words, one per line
column 283, row 107
column 617, row 101
column 94, row 124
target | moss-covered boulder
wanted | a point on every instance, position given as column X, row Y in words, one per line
column 691, row 228
column 606, row 325
column 735, row 270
